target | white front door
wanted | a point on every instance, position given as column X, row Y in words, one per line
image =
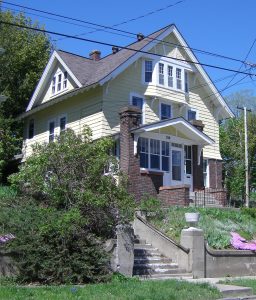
column 176, row 166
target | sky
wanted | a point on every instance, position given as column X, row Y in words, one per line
column 225, row 27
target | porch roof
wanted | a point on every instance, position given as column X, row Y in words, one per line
column 180, row 124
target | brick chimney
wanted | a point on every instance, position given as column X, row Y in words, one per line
column 140, row 36
column 95, row 55
column 115, row 49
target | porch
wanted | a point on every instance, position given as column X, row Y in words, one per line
column 162, row 159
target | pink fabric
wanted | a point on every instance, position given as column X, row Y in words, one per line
column 240, row 243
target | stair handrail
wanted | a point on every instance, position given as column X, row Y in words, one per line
column 186, row 250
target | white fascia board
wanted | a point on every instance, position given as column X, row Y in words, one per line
column 178, row 123
column 47, row 72
column 136, row 56
column 204, row 74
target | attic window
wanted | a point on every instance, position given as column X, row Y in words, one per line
column 59, row 82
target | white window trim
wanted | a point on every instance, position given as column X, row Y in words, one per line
column 56, row 75
column 192, row 109
column 160, row 111
column 155, row 74
column 133, row 94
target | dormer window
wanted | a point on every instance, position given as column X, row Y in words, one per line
column 59, row 82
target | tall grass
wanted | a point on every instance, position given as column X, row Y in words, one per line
column 7, row 192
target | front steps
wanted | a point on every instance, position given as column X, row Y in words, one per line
column 149, row 263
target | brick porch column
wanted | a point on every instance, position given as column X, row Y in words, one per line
column 198, row 175
column 139, row 185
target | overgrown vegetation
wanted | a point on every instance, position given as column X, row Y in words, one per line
column 26, row 53
column 216, row 223
column 116, row 290
column 66, row 208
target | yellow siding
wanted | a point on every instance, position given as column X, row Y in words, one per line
column 82, row 109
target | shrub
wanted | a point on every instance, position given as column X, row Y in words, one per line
column 68, row 206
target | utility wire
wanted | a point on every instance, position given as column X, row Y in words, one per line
column 247, row 55
column 123, row 31
column 123, row 47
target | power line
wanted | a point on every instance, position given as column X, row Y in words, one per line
column 247, row 55
column 124, row 47
column 124, row 31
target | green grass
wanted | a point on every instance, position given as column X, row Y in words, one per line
column 130, row 289
column 242, row 282
column 216, row 223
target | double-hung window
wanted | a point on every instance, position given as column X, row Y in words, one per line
column 63, row 122
column 188, row 159
column 176, row 165
column 143, row 147
column 31, row 129
column 161, row 73
column 51, row 131
column 178, row 79
column 148, row 70
column 138, row 101
column 154, row 154
column 165, row 156
column 165, row 111
column 170, row 76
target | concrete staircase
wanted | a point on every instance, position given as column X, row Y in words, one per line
column 149, row 263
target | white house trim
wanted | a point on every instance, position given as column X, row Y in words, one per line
column 46, row 75
column 182, row 125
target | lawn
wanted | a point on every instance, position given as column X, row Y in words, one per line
column 217, row 223
column 242, row 282
column 129, row 289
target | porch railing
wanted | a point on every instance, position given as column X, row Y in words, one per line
column 210, row 197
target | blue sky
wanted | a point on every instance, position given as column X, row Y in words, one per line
column 226, row 27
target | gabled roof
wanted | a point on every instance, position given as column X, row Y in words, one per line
column 180, row 124
column 87, row 72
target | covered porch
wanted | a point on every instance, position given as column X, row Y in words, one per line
column 172, row 149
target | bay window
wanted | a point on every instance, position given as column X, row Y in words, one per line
column 178, row 79
column 161, row 73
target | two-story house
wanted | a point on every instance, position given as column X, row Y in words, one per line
column 153, row 97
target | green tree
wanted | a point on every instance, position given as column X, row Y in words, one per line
column 232, row 151
column 70, row 204
column 22, row 63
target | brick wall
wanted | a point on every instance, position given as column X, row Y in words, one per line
column 215, row 173
column 141, row 185
column 174, row 195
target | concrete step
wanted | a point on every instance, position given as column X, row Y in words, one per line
column 253, row 297
column 144, row 246
column 233, row 290
column 147, row 252
column 152, row 271
column 166, row 276
column 151, row 259
column 156, row 266
column 139, row 241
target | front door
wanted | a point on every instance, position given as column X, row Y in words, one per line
column 176, row 166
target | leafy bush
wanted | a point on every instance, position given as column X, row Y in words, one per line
column 68, row 208
column 216, row 223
